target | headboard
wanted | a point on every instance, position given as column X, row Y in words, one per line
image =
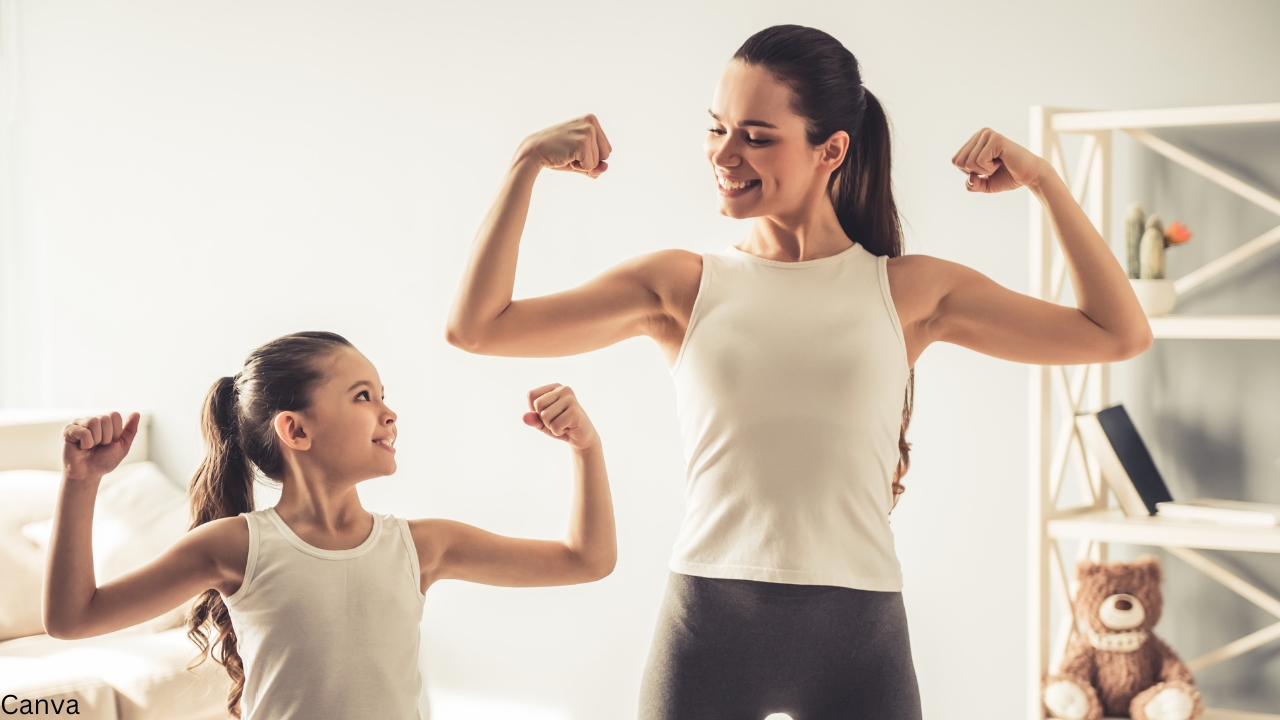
column 32, row 439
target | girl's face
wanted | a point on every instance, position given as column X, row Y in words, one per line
column 352, row 432
column 758, row 148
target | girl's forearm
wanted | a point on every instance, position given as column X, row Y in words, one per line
column 1102, row 288
column 489, row 277
column 592, row 537
column 70, row 583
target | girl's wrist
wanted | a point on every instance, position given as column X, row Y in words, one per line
column 590, row 450
column 71, row 479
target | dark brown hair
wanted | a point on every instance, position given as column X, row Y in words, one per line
column 827, row 91
column 239, row 437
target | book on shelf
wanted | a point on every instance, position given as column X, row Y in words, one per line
column 1127, row 467
column 1234, row 512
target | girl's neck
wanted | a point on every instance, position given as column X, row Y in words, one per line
column 811, row 234
column 320, row 503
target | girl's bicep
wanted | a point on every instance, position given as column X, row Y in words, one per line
column 450, row 550
column 203, row 559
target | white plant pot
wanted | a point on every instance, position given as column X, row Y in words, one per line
column 1157, row 297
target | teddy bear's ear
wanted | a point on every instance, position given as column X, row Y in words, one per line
column 1085, row 568
column 1150, row 567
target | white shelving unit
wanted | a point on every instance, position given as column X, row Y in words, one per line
column 1058, row 458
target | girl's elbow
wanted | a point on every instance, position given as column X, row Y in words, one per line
column 598, row 567
column 60, row 629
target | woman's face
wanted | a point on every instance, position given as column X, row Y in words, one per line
column 759, row 150
column 352, row 431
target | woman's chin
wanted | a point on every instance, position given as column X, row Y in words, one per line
column 737, row 211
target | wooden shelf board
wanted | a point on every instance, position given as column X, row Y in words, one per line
column 1220, row 714
column 1165, row 117
column 1222, row 327
column 1115, row 526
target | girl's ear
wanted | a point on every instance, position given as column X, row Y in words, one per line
column 288, row 427
column 834, row 150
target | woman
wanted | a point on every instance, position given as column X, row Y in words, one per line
column 791, row 355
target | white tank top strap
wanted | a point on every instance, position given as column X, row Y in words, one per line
column 789, row 391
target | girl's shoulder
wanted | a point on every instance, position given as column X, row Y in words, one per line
column 225, row 540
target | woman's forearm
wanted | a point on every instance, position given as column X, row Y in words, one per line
column 69, row 582
column 489, row 277
column 1103, row 292
column 592, row 536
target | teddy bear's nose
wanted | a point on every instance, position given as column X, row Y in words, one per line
column 1121, row 612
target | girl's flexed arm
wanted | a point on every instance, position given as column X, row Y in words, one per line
column 623, row 302
column 74, row 605
column 449, row 549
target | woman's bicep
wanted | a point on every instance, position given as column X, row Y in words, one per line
column 620, row 303
column 978, row 313
column 195, row 563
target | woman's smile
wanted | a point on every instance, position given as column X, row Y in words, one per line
column 735, row 188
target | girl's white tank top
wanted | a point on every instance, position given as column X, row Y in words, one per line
column 329, row 633
column 789, row 392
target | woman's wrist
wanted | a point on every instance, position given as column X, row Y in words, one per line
column 526, row 160
column 1046, row 176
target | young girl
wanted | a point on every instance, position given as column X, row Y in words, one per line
column 313, row 605
column 792, row 356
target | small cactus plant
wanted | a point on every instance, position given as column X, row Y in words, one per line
column 1134, row 225
column 1152, row 243
column 1151, row 250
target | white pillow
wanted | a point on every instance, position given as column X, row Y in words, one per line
column 138, row 514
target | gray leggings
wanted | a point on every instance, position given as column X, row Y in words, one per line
column 741, row 650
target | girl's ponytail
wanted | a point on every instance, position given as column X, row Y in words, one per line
column 222, row 487
column 827, row 90
column 240, row 442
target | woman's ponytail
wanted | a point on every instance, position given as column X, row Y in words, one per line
column 827, row 90
column 862, row 188
column 222, row 487
column 240, row 443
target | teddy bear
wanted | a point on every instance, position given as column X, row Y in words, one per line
column 1115, row 665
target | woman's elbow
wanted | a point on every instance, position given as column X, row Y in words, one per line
column 1133, row 343
column 462, row 337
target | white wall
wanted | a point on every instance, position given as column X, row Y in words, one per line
column 186, row 180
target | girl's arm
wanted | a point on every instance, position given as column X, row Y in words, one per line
column 454, row 550
column 638, row 297
column 74, row 605
column 939, row 300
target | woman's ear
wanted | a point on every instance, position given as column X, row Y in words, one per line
column 288, row 427
column 832, row 152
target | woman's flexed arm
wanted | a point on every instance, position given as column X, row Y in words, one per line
column 74, row 605
column 945, row 301
column 625, row 301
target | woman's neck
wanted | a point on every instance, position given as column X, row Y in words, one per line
column 808, row 235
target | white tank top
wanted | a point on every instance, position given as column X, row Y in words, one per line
column 789, row 392
column 329, row 633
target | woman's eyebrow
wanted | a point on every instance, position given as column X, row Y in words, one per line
column 747, row 123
